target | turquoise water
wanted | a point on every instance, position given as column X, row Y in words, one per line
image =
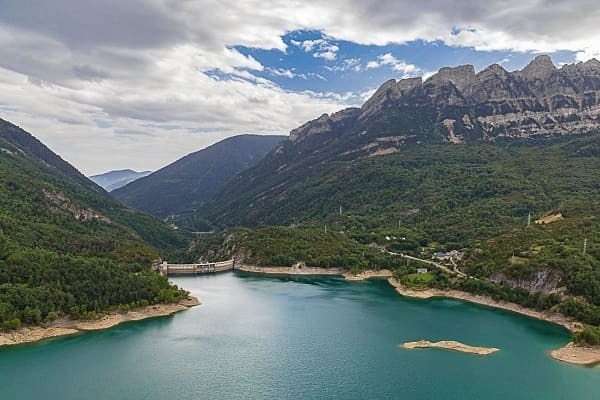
column 300, row 338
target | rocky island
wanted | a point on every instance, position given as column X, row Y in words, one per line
column 450, row 345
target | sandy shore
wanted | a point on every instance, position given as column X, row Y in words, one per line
column 555, row 318
column 33, row 334
column 382, row 274
column 580, row 355
column 368, row 274
column 290, row 270
column 65, row 326
column 450, row 345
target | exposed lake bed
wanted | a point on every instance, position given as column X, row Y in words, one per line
column 450, row 345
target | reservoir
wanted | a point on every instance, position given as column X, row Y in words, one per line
column 265, row 337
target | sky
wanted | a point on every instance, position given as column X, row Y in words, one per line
column 113, row 84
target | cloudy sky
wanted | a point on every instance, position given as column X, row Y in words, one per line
column 112, row 84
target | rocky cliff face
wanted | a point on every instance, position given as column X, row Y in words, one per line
column 325, row 123
column 456, row 105
column 545, row 281
column 464, row 105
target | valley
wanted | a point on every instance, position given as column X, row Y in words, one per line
column 299, row 200
column 391, row 189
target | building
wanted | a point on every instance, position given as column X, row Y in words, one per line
column 448, row 255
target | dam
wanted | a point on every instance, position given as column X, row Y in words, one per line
column 196, row 268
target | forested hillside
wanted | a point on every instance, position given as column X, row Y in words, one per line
column 66, row 247
column 453, row 195
column 462, row 161
column 183, row 186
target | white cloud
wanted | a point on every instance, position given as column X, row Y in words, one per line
column 339, row 97
column 320, row 48
column 407, row 70
column 289, row 73
column 170, row 70
column 197, row 108
column 367, row 94
column 285, row 72
column 588, row 53
column 349, row 64
column 330, row 55
column 427, row 74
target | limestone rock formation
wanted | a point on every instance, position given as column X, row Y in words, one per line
column 540, row 99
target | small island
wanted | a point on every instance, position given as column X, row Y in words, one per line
column 450, row 345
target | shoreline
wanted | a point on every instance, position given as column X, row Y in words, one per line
column 450, row 345
column 67, row 327
column 272, row 270
column 369, row 274
column 569, row 353
column 578, row 355
column 555, row 318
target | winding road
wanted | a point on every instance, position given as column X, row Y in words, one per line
column 453, row 271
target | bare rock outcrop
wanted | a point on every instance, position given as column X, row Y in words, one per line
column 544, row 281
column 458, row 105
column 325, row 123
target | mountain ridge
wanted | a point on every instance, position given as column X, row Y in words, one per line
column 29, row 146
column 456, row 106
column 188, row 182
column 552, row 101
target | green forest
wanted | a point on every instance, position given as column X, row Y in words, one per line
column 66, row 247
column 522, row 213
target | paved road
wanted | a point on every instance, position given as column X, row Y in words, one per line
column 453, row 271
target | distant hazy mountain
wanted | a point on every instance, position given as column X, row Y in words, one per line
column 115, row 179
column 189, row 182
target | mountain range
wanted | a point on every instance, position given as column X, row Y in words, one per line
column 501, row 167
column 115, row 179
column 186, row 184
column 455, row 107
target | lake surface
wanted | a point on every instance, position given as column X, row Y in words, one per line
column 301, row 338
